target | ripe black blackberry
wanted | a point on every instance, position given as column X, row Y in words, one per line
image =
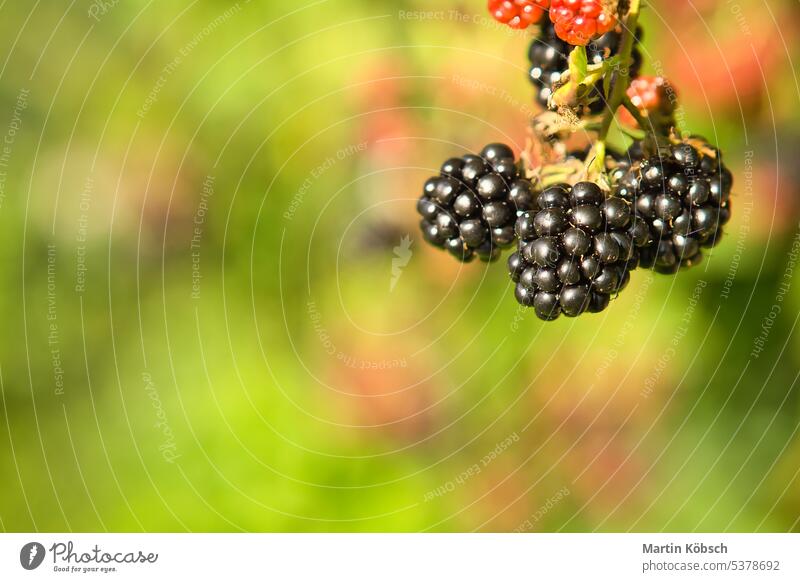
column 683, row 194
column 575, row 251
column 471, row 207
column 548, row 55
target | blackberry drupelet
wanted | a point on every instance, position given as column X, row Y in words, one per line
column 683, row 195
column 471, row 207
column 548, row 56
column 575, row 250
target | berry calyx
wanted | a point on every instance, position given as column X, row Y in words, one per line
column 518, row 14
column 471, row 207
column 579, row 21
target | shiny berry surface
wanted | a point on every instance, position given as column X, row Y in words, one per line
column 682, row 197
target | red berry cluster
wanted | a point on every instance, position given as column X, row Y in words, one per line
column 519, row 14
column 579, row 21
column 576, row 21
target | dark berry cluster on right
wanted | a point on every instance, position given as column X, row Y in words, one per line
column 549, row 55
column 684, row 197
column 576, row 251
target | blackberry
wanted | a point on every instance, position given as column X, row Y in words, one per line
column 548, row 55
column 683, row 195
column 575, row 250
column 470, row 208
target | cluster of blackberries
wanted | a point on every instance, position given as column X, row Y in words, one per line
column 575, row 251
column 576, row 245
column 471, row 207
column 549, row 54
column 684, row 197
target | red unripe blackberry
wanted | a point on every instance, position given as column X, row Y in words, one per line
column 579, row 21
column 683, row 196
column 651, row 95
column 471, row 207
column 574, row 251
column 519, row 14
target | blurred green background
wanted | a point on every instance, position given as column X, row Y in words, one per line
column 200, row 205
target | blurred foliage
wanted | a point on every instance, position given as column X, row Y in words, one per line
column 290, row 387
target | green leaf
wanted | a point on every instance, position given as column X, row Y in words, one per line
column 578, row 64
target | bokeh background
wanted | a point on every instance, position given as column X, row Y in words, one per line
column 201, row 204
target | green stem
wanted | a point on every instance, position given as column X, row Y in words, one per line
column 637, row 115
column 651, row 127
column 620, row 85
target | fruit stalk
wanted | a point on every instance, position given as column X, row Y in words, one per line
column 634, row 111
column 620, row 84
